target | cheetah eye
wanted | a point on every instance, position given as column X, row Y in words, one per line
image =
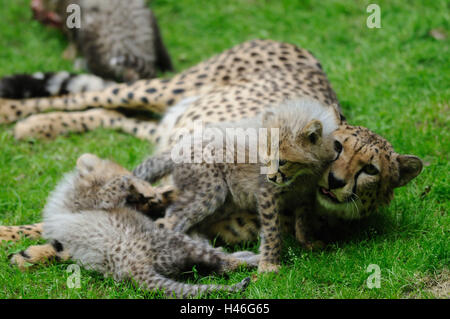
column 370, row 169
column 338, row 147
column 282, row 162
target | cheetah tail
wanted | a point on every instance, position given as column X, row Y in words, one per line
column 177, row 289
column 40, row 84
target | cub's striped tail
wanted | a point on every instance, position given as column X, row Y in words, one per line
column 23, row 86
column 172, row 288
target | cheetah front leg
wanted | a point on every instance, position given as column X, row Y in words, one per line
column 193, row 206
column 50, row 125
column 15, row 233
column 303, row 229
column 270, row 249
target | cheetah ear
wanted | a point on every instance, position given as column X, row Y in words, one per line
column 142, row 188
column 409, row 167
column 86, row 163
column 313, row 131
column 168, row 194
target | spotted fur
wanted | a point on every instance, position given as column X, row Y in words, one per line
column 88, row 217
column 22, row 86
column 239, row 83
column 206, row 189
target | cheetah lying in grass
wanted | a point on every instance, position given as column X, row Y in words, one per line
column 239, row 83
column 90, row 218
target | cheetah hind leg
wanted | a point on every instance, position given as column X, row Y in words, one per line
column 15, row 233
column 303, row 232
column 201, row 253
column 50, row 125
column 248, row 257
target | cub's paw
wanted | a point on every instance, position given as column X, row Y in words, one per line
column 267, row 267
column 242, row 286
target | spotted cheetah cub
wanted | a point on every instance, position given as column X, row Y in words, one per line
column 89, row 216
column 208, row 190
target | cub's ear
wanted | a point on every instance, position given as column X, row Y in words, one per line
column 168, row 194
column 313, row 131
column 142, row 188
column 87, row 162
column 409, row 167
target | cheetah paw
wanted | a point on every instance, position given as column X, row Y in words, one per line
column 20, row 260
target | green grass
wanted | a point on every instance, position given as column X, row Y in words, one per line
column 394, row 80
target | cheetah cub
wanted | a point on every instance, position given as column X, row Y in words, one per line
column 208, row 190
column 90, row 217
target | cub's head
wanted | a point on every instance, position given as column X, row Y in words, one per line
column 95, row 172
column 305, row 141
column 95, row 175
column 364, row 174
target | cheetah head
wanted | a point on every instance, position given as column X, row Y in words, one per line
column 92, row 173
column 364, row 175
column 305, row 139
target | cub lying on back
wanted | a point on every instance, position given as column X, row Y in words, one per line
column 206, row 189
column 88, row 216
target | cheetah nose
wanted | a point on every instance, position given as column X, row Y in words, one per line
column 334, row 182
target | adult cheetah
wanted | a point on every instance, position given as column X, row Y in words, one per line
column 238, row 83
